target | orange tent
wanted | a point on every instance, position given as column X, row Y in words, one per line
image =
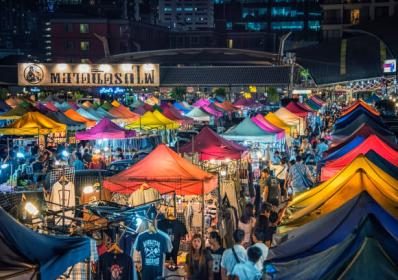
column 356, row 105
column 166, row 171
column 73, row 115
column 122, row 112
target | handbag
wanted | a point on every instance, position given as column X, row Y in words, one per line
column 307, row 182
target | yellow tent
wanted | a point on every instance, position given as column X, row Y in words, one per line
column 33, row 123
column 14, row 114
column 115, row 103
column 272, row 118
column 361, row 175
column 291, row 119
column 150, row 121
column 170, row 123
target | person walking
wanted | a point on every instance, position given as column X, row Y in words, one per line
column 233, row 256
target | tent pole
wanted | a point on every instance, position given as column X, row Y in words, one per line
column 203, row 211
column 175, row 204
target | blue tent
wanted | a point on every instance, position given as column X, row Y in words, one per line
column 331, row 229
column 88, row 115
column 64, row 106
column 101, row 112
column 368, row 253
column 384, row 164
column 343, row 150
column 50, row 255
column 181, row 107
column 343, row 121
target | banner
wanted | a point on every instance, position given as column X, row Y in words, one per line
column 88, row 75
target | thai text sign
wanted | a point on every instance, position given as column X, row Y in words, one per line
column 87, row 75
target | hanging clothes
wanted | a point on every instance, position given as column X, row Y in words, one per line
column 142, row 196
column 63, row 196
column 176, row 231
column 115, row 267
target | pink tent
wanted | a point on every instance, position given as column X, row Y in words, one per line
column 211, row 110
column 264, row 124
column 173, row 114
column 202, row 102
column 51, row 106
column 105, row 129
column 245, row 102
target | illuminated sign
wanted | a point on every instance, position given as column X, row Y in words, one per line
column 88, row 75
column 302, row 91
column 390, row 66
column 112, row 90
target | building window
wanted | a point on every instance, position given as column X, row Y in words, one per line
column 355, row 14
column 84, row 45
column 84, row 28
column 314, row 25
column 69, row 45
column 68, row 27
column 229, row 26
column 230, row 43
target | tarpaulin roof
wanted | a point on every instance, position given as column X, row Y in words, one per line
column 137, row 103
column 13, row 101
column 331, row 229
column 98, row 114
column 14, row 114
column 371, row 143
column 106, row 106
column 210, row 145
column 212, row 110
column 51, row 106
column 273, row 119
column 202, row 102
column 181, row 107
column 368, row 253
column 248, row 130
column 73, row 105
column 264, row 124
column 343, row 132
column 172, row 113
column 297, row 109
column 360, row 103
column 346, row 119
column 71, row 124
column 245, row 102
column 79, row 118
column 197, row 114
column 226, row 106
column 151, row 121
column 105, row 129
column 382, row 163
column 52, row 254
column 317, row 100
column 104, row 113
column 62, row 106
column 87, row 104
column 140, row 110
column 359, row 176
column 313, row 105
column 4, row 107
column 115, row 103
column 123, row 112
column 87, row 115
column 290, row 118
column 372, row 99
column 33, row 123
column 343, row 150
column 166, row 171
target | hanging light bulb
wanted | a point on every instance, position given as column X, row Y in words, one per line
column 31, row 209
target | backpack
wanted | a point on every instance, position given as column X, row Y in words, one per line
column 273, row 189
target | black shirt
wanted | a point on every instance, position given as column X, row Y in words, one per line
column 216, row 256
column 176, row 230
column 115, row 267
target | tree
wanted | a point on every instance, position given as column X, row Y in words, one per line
column 178, row 93
column 220, row 92
column 272, row 95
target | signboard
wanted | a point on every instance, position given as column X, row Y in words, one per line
column 301, row 91
column 390, row 66
column 88, row 75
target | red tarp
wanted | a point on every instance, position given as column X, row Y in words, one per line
column 172, row 113
column 298, row 109
column 374, row 143
column 164, row 170
column 226, row 106
column 105, row 129
column 210, row 145
column 123, row 112
column 317, row 100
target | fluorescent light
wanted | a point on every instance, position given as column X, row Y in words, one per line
column 148, row 67
column 126, row 67
column 84, row 67
column 61, row 66
column 31, row 209
column 105, row 67
column 65, row 153
column 88, row 189
column 223, row 173
column 138, row 221
column 20, row 155
column 4, row 165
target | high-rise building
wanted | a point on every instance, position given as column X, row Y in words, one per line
column 183, row 15
column 341, row 14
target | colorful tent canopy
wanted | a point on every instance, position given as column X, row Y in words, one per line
column 166, row 171
column 382, row 163
column 273, row 119
column 13, row 101
column 62, row 106
column 25, row 252
column 137, row 103
column 291, row 119
column 151, row 121
column 298, row 109
column 4, row 107
column 73, row 105
column 79, row 118
column 317, row 100
column 359, row 103
column 209, row 145
column 181, row 107
column 245, row 102
column 331, row 229
column 97, row 113
column 14, row 114
column 106, row 106
column 104, row 113
column 372, row 99
column 175, row 115
column 313, row 105
column 248, row 130
column 264, row 124
column 70, row 124
column 140, row 110
column 87, row 104
column 343, row 150
column 105, row 129
column 202, row 102
column 353, row 115
column 198, row 115
column 212, row 110
column 33, row 123
column 368, row 253
column 360, row 176
column 226, row 106
column 115, row 103
column 122, row 112
column 51, row 106
column 371, row 143
column 87, row 115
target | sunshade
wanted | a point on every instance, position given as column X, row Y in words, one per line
column 226, row 106
column 4, row 107
column 140, row 110
column 14, row 114
column 62, row 106
column 198, row 115
column 73, row 105
column 297, row 109
column 360, row 103
column 202, row 102
column 359, row 176
column 317, row 100
column 151, row 121
column 273, row 119
column 33, row 123
column 87, row 115
column 50, row 106
column 331, row 229
column 313, row 105
column 137, row 103
column 209, row 145
column 173, row 114
column 248, row 130
column 353, row 115
column 166, row 171
column 122, row 112
column 104, row 113
column 115, row 103
column 105, row 129
column 291, row 119
column 79, row 118
column 371, row 143
column 70, row 124
column 23, row 251
column 264, row 124
column 170, row 124
column 182, row 108
column 245, row 102
column 212, row 110
column 106, row 106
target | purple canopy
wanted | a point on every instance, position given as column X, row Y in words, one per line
column 245, row 102
column 202, row 102
column 211, row 110
column 105, row 129
column 261, row 122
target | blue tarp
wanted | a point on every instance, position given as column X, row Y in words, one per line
column 331, row 229
column 88, row 115
column 343, row 150
column 352, row 116
column 53, row 254
column 181, row 107
column 384, row 164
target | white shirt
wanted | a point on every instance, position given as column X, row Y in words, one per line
column 247, row 271
column 228, row 260
column 264, row 250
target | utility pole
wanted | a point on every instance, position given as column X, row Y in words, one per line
column 291, row 60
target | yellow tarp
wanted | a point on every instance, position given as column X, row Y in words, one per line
column 115, row 103
column 291, row 119
column 361, row 175
column 170, row 123
column 272, row 118
column 150, row 121
column 33, row 123
column 14, row 114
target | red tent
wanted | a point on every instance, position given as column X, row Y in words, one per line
column 210, row 145
column 298, row 109
column 166, row 171
column 371, row 143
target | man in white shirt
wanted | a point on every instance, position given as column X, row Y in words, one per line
column 233, row 256
column 248, row 269
column 259, row 239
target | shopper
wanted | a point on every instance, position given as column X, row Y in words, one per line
column 216, row 250
column 199, row 263
column 299, row 177
column 258, row 239
column 247, row 223
column 248, row 269
column 233, row 256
